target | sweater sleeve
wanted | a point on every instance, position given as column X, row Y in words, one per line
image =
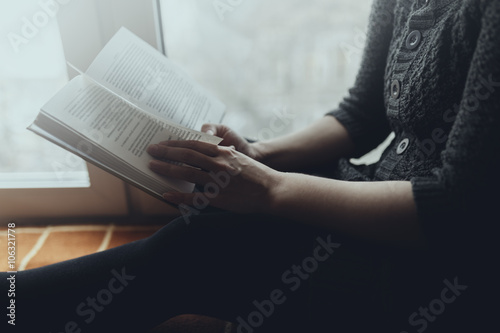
column 454, row 204
column 362, row 112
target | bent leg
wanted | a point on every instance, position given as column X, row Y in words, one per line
column 219, row 265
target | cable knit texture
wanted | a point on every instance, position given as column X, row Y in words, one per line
column 431, row 74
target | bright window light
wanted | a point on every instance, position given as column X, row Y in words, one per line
column 32, row 69
column 276, row 64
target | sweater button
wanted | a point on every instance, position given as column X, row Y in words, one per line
column 413, row 39
column 403, row 145
column 395, row 89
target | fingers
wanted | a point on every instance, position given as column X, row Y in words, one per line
column 222, row 131
column 204, row 148
column 198, row 159
column 181, row 154
column 189, row 174
column 210, row 129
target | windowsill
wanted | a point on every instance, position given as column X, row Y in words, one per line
column 27, row 180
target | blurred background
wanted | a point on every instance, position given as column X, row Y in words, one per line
column 266, row 55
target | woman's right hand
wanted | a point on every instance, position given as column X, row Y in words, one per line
column 231, row 138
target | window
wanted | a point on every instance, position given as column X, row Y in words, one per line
column 38, row 180
column 268, row 58
column 32, row 69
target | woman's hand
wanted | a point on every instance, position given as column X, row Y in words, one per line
column 231, row 138
column 231, row 180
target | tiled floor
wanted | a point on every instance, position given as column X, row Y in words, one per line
column 40, row 246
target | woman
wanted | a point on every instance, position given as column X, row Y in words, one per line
column 402, row 244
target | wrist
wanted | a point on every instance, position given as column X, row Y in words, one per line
column 259, row 151
column 278, row 192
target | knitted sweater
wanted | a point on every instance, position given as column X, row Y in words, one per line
column 431, row 74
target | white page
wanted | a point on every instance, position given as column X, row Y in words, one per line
column 116, row 126
column 135, row 70
column 99, row 157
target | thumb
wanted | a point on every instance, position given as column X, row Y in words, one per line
column 210, row 129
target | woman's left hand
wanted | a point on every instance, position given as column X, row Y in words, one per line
column 230, row 180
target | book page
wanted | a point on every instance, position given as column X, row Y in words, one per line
column 44, row 125
column 115, row 125
column 138, row 72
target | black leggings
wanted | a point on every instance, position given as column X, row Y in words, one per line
column 262, row 273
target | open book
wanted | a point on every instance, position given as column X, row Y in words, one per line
column 129, row 97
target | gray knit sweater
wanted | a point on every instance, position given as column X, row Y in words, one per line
column 431, row 73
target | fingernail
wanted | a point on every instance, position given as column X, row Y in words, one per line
column 210, row 132
column 153, row 164
column 153, row 149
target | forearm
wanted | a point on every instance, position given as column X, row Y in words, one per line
column 322, row 142
column 378, row 211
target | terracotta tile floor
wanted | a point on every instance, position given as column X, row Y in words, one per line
column 40, row 246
